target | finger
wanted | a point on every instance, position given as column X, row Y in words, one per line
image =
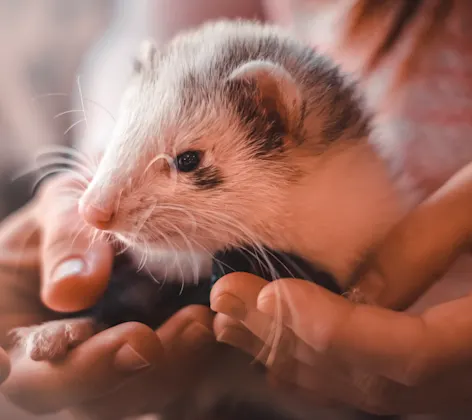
column 421, row 248
column 407, row 349
column 187, row 331
column 98, row 366
column 234, row 333
column 236, row 295
column 188, row 345
column 19, row 240
column 75, row 271
column 320, row 384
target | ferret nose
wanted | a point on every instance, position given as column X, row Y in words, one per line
column 99, row 218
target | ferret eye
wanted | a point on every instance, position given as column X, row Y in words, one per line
column 188, row 161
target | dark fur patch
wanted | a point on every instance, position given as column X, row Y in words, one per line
column 346, row 117
column 342, row 111
column 207, row 178
column 265, row 125
column 323, row 87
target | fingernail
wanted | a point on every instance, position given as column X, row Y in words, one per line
column 267, row 304
column 68, row 268
column 230, row 305
column 127, row 359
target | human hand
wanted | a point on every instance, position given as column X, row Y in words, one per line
column 138, row 369
column 334, row 351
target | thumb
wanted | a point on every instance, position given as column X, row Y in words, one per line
column 75, row 270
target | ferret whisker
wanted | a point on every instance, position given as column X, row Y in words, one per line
column 42, row 163
column 71, row 111
column 32, row 170
column 93, row 238
column 71, row 192
column 247, row 237
column 192, row 252
column 76, row 236
column 182, row 210
column 74, row 125
column 261, row 255
column 81, row 96
column 145, row 218
column 142, row 261
column 47, row 95
column 164, row 156
column 71, row 171
column 45, row 174
column 125, row 248
column 70, row 151
column 275, row 334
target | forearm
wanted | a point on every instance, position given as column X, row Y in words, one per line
column 108, row 67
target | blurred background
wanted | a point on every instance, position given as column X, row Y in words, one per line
column 42, row 46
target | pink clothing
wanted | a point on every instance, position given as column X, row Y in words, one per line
column 427, row 119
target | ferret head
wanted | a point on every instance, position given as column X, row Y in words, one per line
column 208, row 138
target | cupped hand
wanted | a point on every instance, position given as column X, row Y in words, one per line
column 47, row 265
column 333, row 350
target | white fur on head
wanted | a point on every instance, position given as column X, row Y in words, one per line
column 279, row 91
column 148, row 56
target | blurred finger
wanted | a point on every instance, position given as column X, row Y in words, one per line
column 75, row 271
column 407, row 349
column 187, row 343
column 320, row 384
column 98, row 366
column 421, row 248
column 236, row 296
column 188, row 332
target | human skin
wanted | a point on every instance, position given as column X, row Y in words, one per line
column 149, row 369
column 376, row 359
column 330, row 349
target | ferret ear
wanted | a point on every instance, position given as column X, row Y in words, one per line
column 147, row 57
column 279, row 93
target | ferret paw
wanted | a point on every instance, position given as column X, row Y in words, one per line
column 51, row 341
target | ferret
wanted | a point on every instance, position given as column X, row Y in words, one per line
column 237, row 136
